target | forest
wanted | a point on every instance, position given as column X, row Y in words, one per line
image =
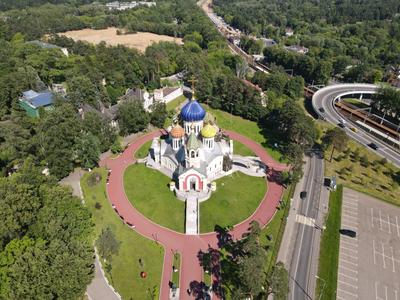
column 348, row 40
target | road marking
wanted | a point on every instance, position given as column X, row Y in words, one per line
column 376, row 292
column 348, row 269
column 348, row 243
column 348, row 284
column 348, row 255
column 351, row 213
column 383, row 254
column 380, row 220
column 347, row 225
column 372, row 217
column 348, row 262
column 393, row 259
column 349, row 249
column 351, row 205
column 349, row 238
column 373, row 247
column 395, row 294
column 350, row 217
column 350, row 277
column 389, row 224
column 397, row 226
column 346, row 292
column 305, row 220
column 386, row 292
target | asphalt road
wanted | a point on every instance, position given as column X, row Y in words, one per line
column 303, row 268
column 324, row 98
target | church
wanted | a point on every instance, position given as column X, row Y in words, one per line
column 195, row 152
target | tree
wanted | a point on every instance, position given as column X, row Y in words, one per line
column 107, row 244
column 278, row 282
column 158, row 114
column 295, row 87
column 336, row 138
column 132, row 117
column 100, row 127
column 87, row 150
column 81, row 90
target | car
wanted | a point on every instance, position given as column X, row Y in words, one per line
column 341, row 125
column 348, row 232
column 354, row 129
column 342, row 121
column 373, row 146
column 303, row 195
column 321, row 109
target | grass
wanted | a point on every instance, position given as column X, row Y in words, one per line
column 143, row 151
column 247, row 128
column 177, row 265
column 241, row 149
column 148, row 191
column 207, row 278
column 275, row 229
column 176, row 102
column 236, row 198
column 355, row 102
column 329, row 249
column 375, row 179
column 125, row 272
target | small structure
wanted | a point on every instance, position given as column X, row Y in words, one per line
column 116, row 5
column 289, row 31
column 140, row 95
column 167, row 94
column 32, row 101
column 45, row 45
column 297, row 48
column 268, row 42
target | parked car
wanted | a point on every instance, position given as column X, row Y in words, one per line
column 373, row 146
column 348, row 232
column 321, row 109
column 341, row 125
column 303, row 195
column 354, row 129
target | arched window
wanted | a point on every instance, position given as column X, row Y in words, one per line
column 192, row 154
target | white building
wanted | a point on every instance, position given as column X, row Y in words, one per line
column 167, row 94
column 194, row 152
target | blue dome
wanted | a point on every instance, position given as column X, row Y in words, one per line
column 192, row 111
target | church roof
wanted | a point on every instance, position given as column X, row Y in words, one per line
column 193, row 142
column 208, row 131
column 177, row 131
column 193, row 111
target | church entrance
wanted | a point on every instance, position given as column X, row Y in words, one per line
column 193, row 184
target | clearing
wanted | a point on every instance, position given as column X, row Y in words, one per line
column 139, row 40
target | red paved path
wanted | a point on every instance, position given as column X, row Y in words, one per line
column 188, row 246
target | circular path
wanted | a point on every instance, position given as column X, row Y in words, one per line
column 187, row 245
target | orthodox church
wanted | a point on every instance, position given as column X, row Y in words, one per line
column 195, row 151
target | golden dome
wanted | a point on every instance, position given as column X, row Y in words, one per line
column 208, row 131
column 177, row 132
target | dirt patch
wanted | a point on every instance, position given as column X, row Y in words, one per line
column 139, row 40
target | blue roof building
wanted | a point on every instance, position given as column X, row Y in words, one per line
column 32, row 101
column 193, row 112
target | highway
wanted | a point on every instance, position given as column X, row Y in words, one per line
column 325, row 97
column 304, row 261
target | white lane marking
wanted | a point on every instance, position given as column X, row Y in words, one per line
column 383, row 256
column 347, row 269
column 380, row 220
column 373, row 247
column 347, row 276
column 346, row 292
column 349, row 255
column 393, row 260
column 348, row 262
column 389, row 224
column 348, row 284
column 349, row 249
column 350, row 217
column 376, row 292
column 372, row 217
column 386, row 298
column 397, row 226
column 395, row 294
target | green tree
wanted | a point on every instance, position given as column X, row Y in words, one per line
column 101, row 128
column 278, row 282
column 132, row 117
column 158, row 114
column 87, row 150
column 336, row 138
column 107, row 244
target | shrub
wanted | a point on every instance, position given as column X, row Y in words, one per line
column 93, row 179
column 116, row 147
column 364, row 161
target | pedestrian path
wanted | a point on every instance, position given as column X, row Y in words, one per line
column 192, row 215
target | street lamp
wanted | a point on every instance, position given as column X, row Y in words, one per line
column 323, row 287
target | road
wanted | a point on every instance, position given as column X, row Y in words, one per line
column 304, row 262
column 324, row 98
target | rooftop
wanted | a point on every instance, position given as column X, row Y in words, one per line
column 36, row 99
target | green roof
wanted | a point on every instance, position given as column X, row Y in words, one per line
column 193, row 142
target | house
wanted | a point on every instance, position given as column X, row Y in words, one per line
column 137, row 94
column 32, row 102
column 167, row 94
column 108, row 113
column 289, row 31
column 268, row 42
column 44, row 45
column 116, row 5
column 59, row 88
column 297, row 48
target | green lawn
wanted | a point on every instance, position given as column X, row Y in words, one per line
column 143, row 151
column 177, row 265
column 329, row 249
column 174, row 103
column 240, row 149
column 237, row 197
column 148, row 191
column 247, row 128
column 275, row 229
column 355, row 102
column 125, row 272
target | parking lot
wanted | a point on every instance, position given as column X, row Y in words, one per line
column 369, row 264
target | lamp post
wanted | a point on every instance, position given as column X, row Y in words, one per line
column 323, row 287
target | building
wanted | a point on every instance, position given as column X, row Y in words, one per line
column 289, row 31
column 140, row 95
column 32, row 102
column 116, row 5
column 167, row 94
column 298, row 49
column 195, row 151
column 45, row 45
column 268, row 42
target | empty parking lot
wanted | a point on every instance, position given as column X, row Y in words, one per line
column 369, row 264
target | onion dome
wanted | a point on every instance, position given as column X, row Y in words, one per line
column 193, row 112
column 193, row 142
column 177, row 132
column 208, row 131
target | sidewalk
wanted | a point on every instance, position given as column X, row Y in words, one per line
column 288, row 240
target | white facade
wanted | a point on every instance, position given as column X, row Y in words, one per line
column 167, row 94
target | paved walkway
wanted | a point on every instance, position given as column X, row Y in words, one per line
column 187, row 245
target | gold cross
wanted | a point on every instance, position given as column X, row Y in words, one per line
column 193, row 82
